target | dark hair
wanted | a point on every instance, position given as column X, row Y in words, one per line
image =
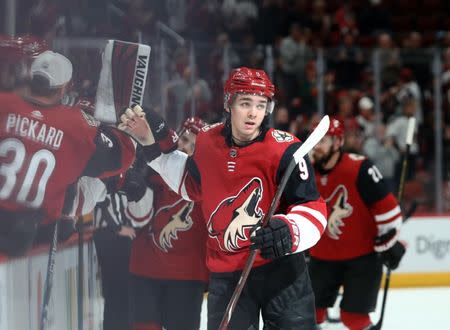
column 40, row 86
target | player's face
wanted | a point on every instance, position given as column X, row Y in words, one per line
column 323, row 150
column 247, row 114
column 186, row 143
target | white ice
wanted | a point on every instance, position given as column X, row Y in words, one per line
column 411, row 309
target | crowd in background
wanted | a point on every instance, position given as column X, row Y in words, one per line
column 402, row 31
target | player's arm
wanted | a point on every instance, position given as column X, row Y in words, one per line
column 159, row 145
column 305, row 220
column 385, row 210
column 133, row 184
column 381, row 203
column 113, row 154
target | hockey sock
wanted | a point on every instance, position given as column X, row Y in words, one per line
column 355, row 321
column 321, row 315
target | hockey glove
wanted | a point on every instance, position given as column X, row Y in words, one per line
column 274, row 240
column 393, row 255
column 134, row 185
column 193, row 125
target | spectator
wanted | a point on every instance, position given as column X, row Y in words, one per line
column 383, row 153
column 294, row 54
column 396, row 130
column 348, row 60
column 366, row 116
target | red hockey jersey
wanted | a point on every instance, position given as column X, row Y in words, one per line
column 359, row 205
column 43, row 150
column 172, row 246
column 236, row 186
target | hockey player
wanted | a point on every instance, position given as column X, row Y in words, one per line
column 16, row 55
column 234, row 172
column 364, row 219
column 44, row 148
column 168, row 262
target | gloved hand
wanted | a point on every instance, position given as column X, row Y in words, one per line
column 274, row 240
column 392, row 256
column 193, row 125
column 134, row 185
column 390, row 249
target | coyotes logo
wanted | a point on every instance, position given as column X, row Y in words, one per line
column 338, row 209
column 231, row 221
column 179, row 219
column 281, row 136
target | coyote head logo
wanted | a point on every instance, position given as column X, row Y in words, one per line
column 338, row 209
column 232, row 220
column 179, row 220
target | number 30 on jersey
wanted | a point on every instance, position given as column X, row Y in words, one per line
column 10, row 173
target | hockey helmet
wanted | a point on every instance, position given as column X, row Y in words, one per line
column 16, row 49
column 336, row 128
column 249, row 81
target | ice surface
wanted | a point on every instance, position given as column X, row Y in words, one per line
column 412, row 309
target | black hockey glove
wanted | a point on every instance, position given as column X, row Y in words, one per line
column 274, row 240
column 164, row 136
column 392, row 257
column 134, row 185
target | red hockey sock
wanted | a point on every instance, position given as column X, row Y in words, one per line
column 146, row 326
column 321, row 315
column 355, row 321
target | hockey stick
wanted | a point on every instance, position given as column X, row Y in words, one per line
column 303, row 150
column 409, row 139
column 49, row 278
column 80, row 229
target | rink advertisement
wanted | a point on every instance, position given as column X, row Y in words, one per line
column 427, row 258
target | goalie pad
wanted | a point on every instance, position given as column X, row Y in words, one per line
column 122, row 79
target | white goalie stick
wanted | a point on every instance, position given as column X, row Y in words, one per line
column 301, row 152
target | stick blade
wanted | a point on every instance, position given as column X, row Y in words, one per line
column 313, row 139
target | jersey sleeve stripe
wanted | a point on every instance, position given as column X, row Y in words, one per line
column 314, row 215
column 388, row 215
column 309, row 232
column 399, row 216
column 139, row 221
column 384, row 228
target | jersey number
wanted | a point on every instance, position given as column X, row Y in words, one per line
column 375, row 173
column 9, row 172
column 303, row 168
